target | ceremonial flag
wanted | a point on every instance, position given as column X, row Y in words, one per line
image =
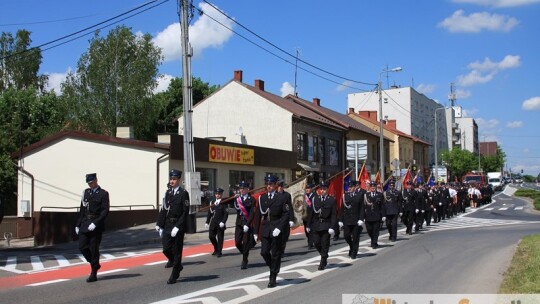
column 297, row 191
column 363, row 178
column 335, row 188
column 407, row 177
column 378, row 177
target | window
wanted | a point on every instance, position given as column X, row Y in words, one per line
column 301, row 146
column 235, row 177
column 333, row 152
column 322, row 151
column 313, row 148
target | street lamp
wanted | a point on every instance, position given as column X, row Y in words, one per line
column 381, row 137
column 436, row 144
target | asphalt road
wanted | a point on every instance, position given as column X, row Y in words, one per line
column 467, row 254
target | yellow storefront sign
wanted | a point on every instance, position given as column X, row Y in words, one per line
column 231, row 155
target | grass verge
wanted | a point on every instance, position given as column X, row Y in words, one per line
column 523, row 275
column 532, row 194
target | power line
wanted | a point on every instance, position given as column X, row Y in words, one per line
column 86, row 29
column 47, row 21
column 276, row 55
column 282, row 50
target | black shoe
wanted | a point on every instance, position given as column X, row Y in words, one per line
column 353, row 256
column 214, row 253
column 375, row 246
column 174, row 276
column 244, row 265
column 219, row 254
column 91, row 278
column 169, row 264
column 272, row 282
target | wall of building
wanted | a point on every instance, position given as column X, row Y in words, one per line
column 262, row 122
column 59, row 170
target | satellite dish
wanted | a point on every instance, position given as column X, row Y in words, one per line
column 240, row 131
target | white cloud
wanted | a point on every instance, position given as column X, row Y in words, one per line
column 486, row 125
column 344, row 86
column 55, row 81
column 286, row 89
column 462, row 94
column 426, row 88
column 469, row 112
column 483, row 72
column 477, row 22
column 531, row 104
column 499, row 3
column 514, row 124
column 164, row 80
column 204, row 33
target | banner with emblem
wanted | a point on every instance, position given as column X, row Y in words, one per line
column 297, row 191
column 363, row 177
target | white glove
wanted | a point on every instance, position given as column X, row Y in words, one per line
column 383, row 218
column 423, row 211
column 91, row 227
column 401, row 214
column 174, row 231
column 360, row 222
column 440, row 204
column 77, row 230
column 291, row 223
column 340, row 224
column 221, row 225
column 331, row 231
column 276, row 232
column 205, row 226
column 160, row 232
column 308, row 229
column 416, row 210
column 246, row 228
column 255, row 237
column 157, row 228
column 434, row 209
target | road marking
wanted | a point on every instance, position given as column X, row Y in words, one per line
column 155, row 263
column 112, row 271
column 107, row 256
column 518, row 208
column 62, row 261
column 196, row 255
column 503, row 208
column 36, row 262
column 47, row 282
column 488, row 209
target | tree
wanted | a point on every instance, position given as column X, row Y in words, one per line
column 19, row 64
column 113, row 84
column 171, row 102
column 493, row 163
column 459, row 161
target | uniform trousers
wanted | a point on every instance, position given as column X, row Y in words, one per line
column 308, row 235
column 373, row 228
column 391, row 225
column 351, row 233
column 271, row 252
column 173, row 247
column 243, row 241
column 89, row 246
column 285, row 234
column 408, row 219
column 321, row 239
column 216, row 235
column 427, row 216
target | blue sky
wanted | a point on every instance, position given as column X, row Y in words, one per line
column 490, row 49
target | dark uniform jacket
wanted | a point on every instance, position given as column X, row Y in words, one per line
column 324, row 215
column 217, row 214
column 422, row 199
column 352, row 209
column 374, row 209
column 249, row 205
column 288, row 199
column 94, row 209
column 409, row 199
column 273, row 213
column 174, row 210
column 392, row 202
column 309, row 208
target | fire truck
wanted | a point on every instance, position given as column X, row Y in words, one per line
column 475, row 178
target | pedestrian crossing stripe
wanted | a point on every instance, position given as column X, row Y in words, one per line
column 468, row 222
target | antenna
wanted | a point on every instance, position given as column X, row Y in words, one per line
column 296, row 71
column 452, row 95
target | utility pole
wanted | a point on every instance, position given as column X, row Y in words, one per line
column 296, row 72
column 191, row 178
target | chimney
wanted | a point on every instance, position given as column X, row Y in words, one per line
column 124, row 132
column 351, row 111
column 317, row 102
column 371, row 115
column 259, row 84
column 238, row 75
column 391, row 123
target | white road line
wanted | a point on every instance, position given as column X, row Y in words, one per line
column 62, row 261
column 504, row 208
column 107, row 256
column 488, row 209
column 47, row 282
column 518, row 208
column 112, row 271
column 229, row 248
column 11, row 263
column 36, row 262
column 155, row 263
column 81, row 257
column 196, row 255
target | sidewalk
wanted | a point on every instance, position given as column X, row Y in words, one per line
column 133, row 236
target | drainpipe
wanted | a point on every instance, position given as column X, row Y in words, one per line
column 32, row 196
